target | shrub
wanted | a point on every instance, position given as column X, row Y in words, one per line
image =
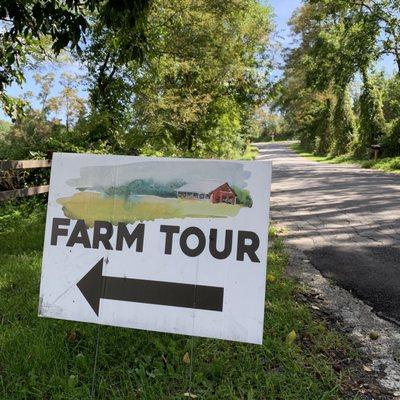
column 391, row 143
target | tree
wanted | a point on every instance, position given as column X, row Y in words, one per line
column 385, row 14
column 359, row 33
column 69, row 101
column 321, row 125
column 344, row 124
column 270, row 124
column 307, row 107
column 391, row 98
column 24, row 23
column 338, row 41
column 372, row 121
column 110, row 87
column 196, row 90
column 46, row 83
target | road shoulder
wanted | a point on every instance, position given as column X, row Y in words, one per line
column 388, row 165
column 378, row 339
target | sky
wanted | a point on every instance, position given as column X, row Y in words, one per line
column 283, row 10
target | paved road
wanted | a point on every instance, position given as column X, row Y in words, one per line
column 345, row 219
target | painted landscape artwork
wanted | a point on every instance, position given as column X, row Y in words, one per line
column 145, row 191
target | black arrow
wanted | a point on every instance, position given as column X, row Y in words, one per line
column 95, row 286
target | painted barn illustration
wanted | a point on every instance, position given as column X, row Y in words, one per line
column 212, row 190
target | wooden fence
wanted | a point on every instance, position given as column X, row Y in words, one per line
column 23, row 164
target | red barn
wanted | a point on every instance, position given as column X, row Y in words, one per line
column 211, row 189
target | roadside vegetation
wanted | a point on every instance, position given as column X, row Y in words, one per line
column 45, row 358
column 388, row 164
column 332, row 96
column 250, row 153
column 163, row 78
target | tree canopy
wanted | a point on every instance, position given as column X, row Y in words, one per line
column 339, row 44
column 197, row 86
column 193, row 77
column 25, row 23
column 163, row 76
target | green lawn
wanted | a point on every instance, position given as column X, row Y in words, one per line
column 52, row 359
column 390, row 164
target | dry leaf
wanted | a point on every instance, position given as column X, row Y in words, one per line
column 291, row 337
column 271, row 278
column 73, row 336
column 186, row 358
column 191, row 395
column 367, row 369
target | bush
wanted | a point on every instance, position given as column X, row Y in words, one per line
column 243, row 197
column 391, row 143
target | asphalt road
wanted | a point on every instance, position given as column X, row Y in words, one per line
column 345, row 219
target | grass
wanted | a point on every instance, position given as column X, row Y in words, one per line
column 390, row 164
column 250, row 153
column 53, row 359
column 91, row 206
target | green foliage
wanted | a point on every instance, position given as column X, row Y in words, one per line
column 390, row 143
column 271, row 125
column 322, row 126
column 30, row 137
column 196, row 91
column 65, row 24
column 336, row 42
column 4, row 128
column 391, row 164
column 146, row 187
column 22, row 225
column 27, row 135
column 391, row 97
column 243, row 196
column 165, row 77
column 250, row 153
column 344, row 124
column 372, row 122
column 387, row 164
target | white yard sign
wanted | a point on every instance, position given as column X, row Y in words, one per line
column 170, row 245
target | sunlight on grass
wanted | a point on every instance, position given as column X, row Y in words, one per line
column 250, row 153
column 383, row 164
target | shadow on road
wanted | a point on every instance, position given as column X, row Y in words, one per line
column 347, row 220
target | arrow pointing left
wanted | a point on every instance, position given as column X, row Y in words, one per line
column 95, row 286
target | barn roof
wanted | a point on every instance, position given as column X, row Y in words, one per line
column 204, row 186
